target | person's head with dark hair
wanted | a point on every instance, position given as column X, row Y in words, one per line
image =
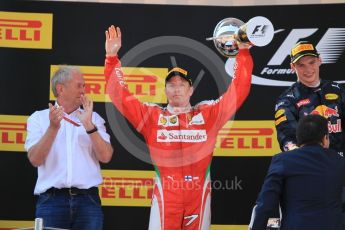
column 312, row 129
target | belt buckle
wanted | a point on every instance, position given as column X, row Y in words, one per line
column 71, row 192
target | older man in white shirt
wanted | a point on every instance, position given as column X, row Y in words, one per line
column 66, row 144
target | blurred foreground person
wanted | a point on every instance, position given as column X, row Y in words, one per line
column 307, row 182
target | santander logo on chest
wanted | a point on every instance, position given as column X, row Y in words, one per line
column 181, row 135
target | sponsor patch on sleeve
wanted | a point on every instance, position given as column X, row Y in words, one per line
column 279, row 113
column 280, row 120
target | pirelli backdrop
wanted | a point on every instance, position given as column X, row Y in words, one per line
column 36, row 37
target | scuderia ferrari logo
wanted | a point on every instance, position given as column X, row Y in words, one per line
column 181, row 136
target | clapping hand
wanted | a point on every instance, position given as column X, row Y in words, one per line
column 85, row 117
column 55, row 115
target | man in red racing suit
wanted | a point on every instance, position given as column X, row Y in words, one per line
column 180, row 138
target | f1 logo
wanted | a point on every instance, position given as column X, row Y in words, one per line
column 259, row 29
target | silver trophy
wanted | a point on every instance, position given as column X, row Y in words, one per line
column 258, row 31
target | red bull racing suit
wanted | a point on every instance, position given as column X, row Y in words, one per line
column 327, row 100
column 180, row 145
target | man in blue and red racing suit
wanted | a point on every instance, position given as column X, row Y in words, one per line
column 180, row 137
column 328, row 100
column 310, row 95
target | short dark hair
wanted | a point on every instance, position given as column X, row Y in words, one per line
column 311, row 129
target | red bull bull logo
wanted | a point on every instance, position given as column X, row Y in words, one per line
column 327, row 113
column 331, row 112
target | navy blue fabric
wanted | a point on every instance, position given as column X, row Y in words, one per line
column 307, row 183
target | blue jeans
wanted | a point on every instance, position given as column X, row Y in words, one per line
column 78, row 212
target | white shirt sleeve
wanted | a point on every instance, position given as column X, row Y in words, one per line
column 99, row 122
column 34, row 131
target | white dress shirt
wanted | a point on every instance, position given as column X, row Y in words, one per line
column 71, row 161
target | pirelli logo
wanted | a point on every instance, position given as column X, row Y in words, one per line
column 247, row 138
column 12, row 132
column 26, row 30
column 127, row 188
column 146, row 84
column 301, row 48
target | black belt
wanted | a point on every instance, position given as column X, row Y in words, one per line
column 73, row 191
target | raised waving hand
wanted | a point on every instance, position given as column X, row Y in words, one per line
column 112, row 40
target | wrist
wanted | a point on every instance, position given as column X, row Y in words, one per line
column 54, row 128
column 90, row 131
column 110, row 55
column 88, row 125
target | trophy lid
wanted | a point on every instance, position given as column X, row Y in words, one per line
column 225, row 36
column 225, row 28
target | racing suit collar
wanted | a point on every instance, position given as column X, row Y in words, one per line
column 308, row 88
column 178, row 110
column 312, row 87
